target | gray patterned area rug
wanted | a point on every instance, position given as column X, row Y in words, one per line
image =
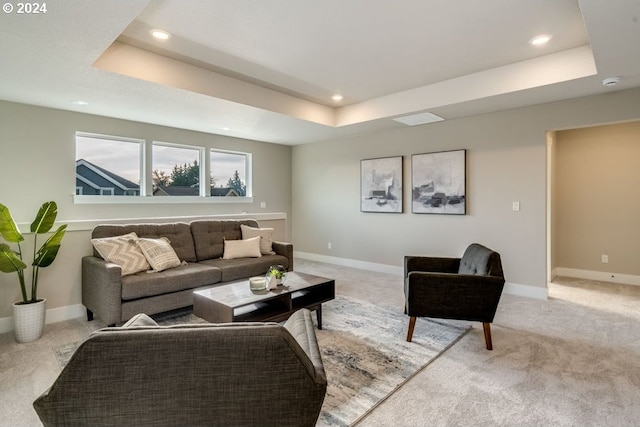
column 364, row 351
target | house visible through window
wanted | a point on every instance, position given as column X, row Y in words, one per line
column 107, row 166
column 176, row 170
column 112, row 166
column 229, row 173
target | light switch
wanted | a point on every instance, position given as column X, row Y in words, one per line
column 516, row 206
column 263, row 205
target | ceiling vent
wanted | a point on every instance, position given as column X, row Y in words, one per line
column 419, row 119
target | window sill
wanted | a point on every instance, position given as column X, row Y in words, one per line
column 130, row 200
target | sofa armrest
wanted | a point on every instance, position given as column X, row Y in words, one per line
column 102, row 289
column 285, row 249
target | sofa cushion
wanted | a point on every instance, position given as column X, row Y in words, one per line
column 149, row 283
column 122, row 250
column 158, row 253
column 265, row 234
column 243, row 268
column 179, row 234
column 249, row 248
column 209, row 236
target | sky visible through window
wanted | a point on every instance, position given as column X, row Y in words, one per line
column 123, row 158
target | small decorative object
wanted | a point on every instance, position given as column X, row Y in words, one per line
column 438, row 183
column 276, row 276
column 381, row 185
column 29, row 313
column 257, row 283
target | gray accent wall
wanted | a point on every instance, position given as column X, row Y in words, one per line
column 506, row 162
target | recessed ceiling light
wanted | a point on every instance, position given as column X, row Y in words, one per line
column 337, row 97
column 79, row 102
column 160, row 34
column 540, row 40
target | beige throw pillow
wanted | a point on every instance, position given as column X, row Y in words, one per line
column 122, row 250
column 246, row 248
column 159, row 253
column 265, row 234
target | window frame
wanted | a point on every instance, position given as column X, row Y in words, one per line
column 248, row 168
column 145, row 195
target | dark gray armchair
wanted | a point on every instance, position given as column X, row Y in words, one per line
column 241, row 374
column 467, row 288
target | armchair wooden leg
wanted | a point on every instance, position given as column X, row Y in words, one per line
column 487, row 335
column 412, row 325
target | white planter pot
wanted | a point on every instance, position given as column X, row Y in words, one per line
column 28, row 320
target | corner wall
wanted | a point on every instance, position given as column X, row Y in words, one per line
column 506, row 162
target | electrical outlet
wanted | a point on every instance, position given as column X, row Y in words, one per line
column 605, row 259
column 515, row 206
column 329, row 245
column 263, row 205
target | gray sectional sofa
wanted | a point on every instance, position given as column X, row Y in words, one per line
column 198, row 244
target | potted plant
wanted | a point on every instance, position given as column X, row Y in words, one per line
column 29, row 313
column 276, row 274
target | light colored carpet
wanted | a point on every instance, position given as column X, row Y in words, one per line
column 571, row 360
column 363, row 349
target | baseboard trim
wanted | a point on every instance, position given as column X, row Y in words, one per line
column 54, row 315
column 601, row 276
column 509, row 288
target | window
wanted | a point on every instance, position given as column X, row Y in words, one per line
column 176, row 170
column 114, row 169
column 107, row 165
column 229, row 174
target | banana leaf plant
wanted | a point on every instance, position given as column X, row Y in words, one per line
column 11, row 259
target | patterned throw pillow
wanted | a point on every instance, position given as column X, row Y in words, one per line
column 247, row 248
column 159, row 253
column 122, row 250
column 265, row 234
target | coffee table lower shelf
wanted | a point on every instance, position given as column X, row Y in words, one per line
column 235, row 302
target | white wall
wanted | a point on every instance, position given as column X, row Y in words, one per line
column 506, row 162
column 37, row 163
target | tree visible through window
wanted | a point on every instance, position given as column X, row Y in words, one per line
column 229, row 173
column 176, row 170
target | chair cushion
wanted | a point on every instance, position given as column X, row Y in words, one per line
column 476, row 260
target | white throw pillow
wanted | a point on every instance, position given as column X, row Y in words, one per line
column 159, row 253
column 122, row 250
column 266, row 235
column 246, row 248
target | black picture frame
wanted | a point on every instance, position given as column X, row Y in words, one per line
column 438, row 183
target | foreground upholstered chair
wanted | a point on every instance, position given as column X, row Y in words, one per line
column 467, row 288
column 241, row 374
